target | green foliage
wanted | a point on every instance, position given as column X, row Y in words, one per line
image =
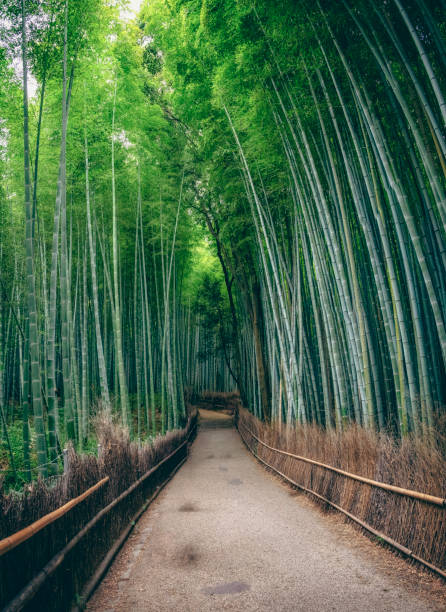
column 201, row 264
column 268, row 64
column 299, row 144
column 11, row 480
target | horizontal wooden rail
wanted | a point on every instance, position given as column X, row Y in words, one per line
column 29, row 591
column 110, row 556
column 27, row 532
column 430, row 499
column 366, row 526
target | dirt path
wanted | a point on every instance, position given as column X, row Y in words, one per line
column 225, row 535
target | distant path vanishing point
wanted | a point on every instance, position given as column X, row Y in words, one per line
column 226, row 535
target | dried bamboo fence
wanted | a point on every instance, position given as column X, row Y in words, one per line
column 49, row 564
column 411, row 521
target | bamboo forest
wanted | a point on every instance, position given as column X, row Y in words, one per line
column 227, row 203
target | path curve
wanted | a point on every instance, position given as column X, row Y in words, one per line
column 226, row 535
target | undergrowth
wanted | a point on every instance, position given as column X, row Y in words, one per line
column 122, row 459
column 105, row 512
column 410, row 464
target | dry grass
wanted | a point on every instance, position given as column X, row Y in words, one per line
column 412, row 464
column 124, row 462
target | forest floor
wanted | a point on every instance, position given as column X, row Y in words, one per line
column 227, row 535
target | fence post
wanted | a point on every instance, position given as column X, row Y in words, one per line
column 66, row 461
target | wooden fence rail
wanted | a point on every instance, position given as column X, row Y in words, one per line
column 437, row 501
column 430, row 499
column 66, row 576
column 24, row 534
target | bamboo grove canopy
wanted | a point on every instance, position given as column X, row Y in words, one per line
column 220, row 194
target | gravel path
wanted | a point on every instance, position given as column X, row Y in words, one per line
column 226, row 535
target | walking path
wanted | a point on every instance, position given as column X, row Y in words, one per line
column 226, row 535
